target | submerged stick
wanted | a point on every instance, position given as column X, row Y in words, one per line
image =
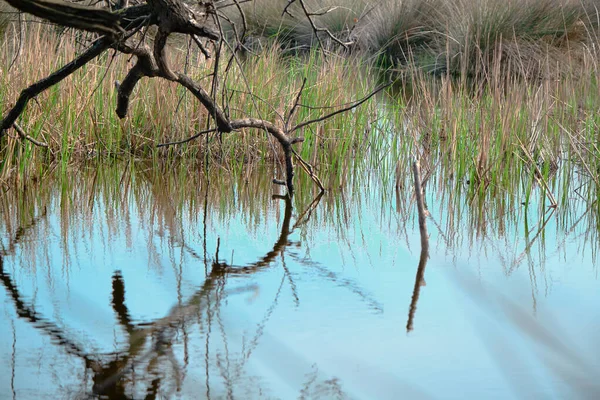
column 419, row 280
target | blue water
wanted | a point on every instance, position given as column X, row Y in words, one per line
column 311, row 306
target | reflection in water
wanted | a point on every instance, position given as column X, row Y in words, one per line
column 222, row 291
column 28, row 312
column 419, row 282
column 423, row 213
column 13, row 356
column 150, row 344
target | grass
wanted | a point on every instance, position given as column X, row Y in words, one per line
column 463, row 38
column 77, row 119
column 504, row 140
column 5, row 17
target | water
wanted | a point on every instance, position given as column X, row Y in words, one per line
column 123, row 282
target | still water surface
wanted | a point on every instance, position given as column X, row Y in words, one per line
column 127, row 284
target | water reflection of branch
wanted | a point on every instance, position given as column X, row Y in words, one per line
column 246, row 353
column 288, row 275
column 419, row 280
column 22, row 231
column 107, row 376
column 150, row 344
column 13, row 360
column 570, row 231
column 28, row 312
column 530, row 244
column 305, row 215
column 212, row 292
column 162, row 332
column 341, row 282
column 281, row 243
column 280, row 246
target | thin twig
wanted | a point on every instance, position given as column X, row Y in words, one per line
column 342, row 110
column 295, row 106
column 197, row 135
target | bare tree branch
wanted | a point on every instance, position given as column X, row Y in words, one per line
column 197, row 135
column 120, row 31
column 27, row 94
column 91, row 19
column 25, row 136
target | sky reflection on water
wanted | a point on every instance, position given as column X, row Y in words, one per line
column 139, row 291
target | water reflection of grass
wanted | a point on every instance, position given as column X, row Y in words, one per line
column 166, row 196
column 149, row 345
column 175, row 205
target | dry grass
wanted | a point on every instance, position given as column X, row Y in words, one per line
column 464, row 38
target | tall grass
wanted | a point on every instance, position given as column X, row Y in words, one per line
column 77, row 120
column 5, row 17
column 459, row 37
column 503, row 141
column 511, row 150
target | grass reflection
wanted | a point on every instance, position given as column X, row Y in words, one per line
column 184, row 222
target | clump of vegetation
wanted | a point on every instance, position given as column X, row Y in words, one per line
column 5, row 17
column 401, row 32
column 267, row 22
column 530, row 38
column 463, row 38
column 504, row 129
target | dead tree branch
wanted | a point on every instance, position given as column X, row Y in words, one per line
column 25, row 136
column 38, row 87
column 119, row 29
column 71, row 15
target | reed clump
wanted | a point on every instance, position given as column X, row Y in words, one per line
column 292, row 30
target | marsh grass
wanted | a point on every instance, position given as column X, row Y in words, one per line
column 502, row 144
column 6, row 13
column 510, row 151
column 463, row 38
column 77, row 118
